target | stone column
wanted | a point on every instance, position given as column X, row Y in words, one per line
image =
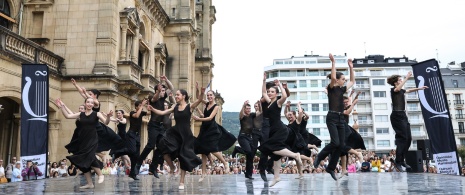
column 135, row 46
column 124, row 32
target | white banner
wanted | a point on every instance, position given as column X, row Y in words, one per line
column 39, row 159
column 447, row 163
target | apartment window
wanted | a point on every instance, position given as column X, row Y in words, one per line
column 371, row 61
column 340, row 61
column 300, row 73
column 325, row 72
column 173, row 12
column 455, row 83
column 297, row 62
column 379, row 93
column 391, row 61
column 362, row 118
column 312, row 73
column 284, row 73
column 314, row 95
column 461, row 127
column 292, row 96
column 325, row 107
column 313, row 83
column 462, row 142
column 291, row 84
column 303, row 83
column 287, row 62
column 359, row 73
column 316, row 131
column 303, row 96
column 381, row 118
column 324, row 83
column 359, row 61
column 415, row 129
column 380, row 106
column 315, row 119
column 412, row 106
column 382, row 130
column 375, row 72
column 363, row 130
column 323, row 61
column 315, row 107
column 383, row 143
column 278, row 62
column 402, row 60
column 378, row 81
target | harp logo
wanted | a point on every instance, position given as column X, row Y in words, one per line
column 39, row 111
column 438, row 107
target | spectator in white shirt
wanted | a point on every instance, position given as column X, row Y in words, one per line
column 9, row 169
column 62, row 170
column 2, row 170
column 113, row 170
column 16, row 173
column 144, row 169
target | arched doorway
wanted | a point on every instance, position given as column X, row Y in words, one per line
column 5, row 19
column 9, row 129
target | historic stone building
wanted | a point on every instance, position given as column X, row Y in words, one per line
column 119, row 47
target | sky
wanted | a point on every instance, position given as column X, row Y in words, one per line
column 249, row 34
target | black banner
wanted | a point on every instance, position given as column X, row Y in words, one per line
column 436, row 116
column 34, row 115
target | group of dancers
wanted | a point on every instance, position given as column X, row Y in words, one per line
column 92, row 137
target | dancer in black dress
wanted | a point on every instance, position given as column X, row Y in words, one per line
column 275, row 145
column 295, row 140
column 335, row 118
column 108, row 139
column 208, row 140
column 179, row 140
column 85, row 158
column 121, row 124
column 399, row 120
column 73, row 145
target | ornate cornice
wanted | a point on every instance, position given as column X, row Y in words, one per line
column 157, row 13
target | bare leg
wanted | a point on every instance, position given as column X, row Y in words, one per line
column 276, row 167
column 359, row 154
column 181, row 181
column 170, row 164
column 204, row 167
column 344, row 166
column 89, row 181
column 219, row 155
column 97, row 170
column 288, row 153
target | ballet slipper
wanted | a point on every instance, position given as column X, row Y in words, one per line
column 202, row 177
column 343, row 173
column 301, row 176
column 87, row 186
column 274, row 182
column 181, row 186
column 101, row 179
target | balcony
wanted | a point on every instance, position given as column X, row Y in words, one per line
column 410, row 85
column 458, row 103
column 130, row 75
column 365, row 122
column 413, row 109
column 370, row 147
column 460, row 116
column 363, row 110
column 459, row 133
column 362, row 86
column 418, row 134
column 26, row 51
column 366, row 134
column 412, row 97
column 364, row 98
column 361, row 74
column 416, row 122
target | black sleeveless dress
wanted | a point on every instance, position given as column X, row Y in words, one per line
column 309, row 138
column 123, row 135
column 87, row 141
column 278, row 132
column 179, row 140
column 121, row 130
column 73, row 145
column 108, row 139
column 212, row 137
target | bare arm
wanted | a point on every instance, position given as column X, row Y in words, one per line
column 287, row 108
column 137, row 114
column 259, row 108
column 199, row 111
column 168, row 82
column 352, row 74
column 300, row 115
column 333, row 71
column 160, row 112
column 156, row 96
column 103, row 118
column 212, row 115
column 196, row 103
column 241, row 114
column 264, row 94
column 416, row 89
column 283, row 98
column 80, row 90
column 399, row 87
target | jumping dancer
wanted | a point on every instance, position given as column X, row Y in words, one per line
column 121, row 124
column 179, row 140
column 208, row 140
column 245, row 139
column 85, row 158
column 133, row 136
column 335, row 118
column 275, row 145
column 73, row 145
column 399, row 120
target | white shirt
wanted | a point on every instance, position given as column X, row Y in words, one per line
column 2, row 171
column 14, row 176
column 113, row 171
column 387, row 164
column 62, row 171
column 144, row 169
column 9, row 170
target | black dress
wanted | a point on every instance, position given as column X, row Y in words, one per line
column 84, row 158
column 212, row 137
column 278, row 132
column 73, row 145
column 309, row 138
column 179, row 140
column 121, row 130
column 108, row 139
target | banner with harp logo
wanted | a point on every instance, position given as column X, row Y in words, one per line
column 34, row 115
column 436, row 116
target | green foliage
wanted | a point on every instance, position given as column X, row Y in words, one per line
column 461, row 152
column 231, row 122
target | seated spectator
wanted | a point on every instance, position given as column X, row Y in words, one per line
column 53, row 169
column 144, row 168
column 351, row 167
column 366, row 166
column 387, row 165
column 375, row 164
column 113, row 170
column 31, row 171
column 16, row 174
column 106, row 169
column 62, row 171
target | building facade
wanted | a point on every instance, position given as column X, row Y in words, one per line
column 118, row 47
column 454, row 83
column 306, row 78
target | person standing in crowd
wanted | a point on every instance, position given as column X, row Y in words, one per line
column 85, row 158
column 31, row 171
column 275, row 145
column 155, row 128
column 9, row 168
column 335, row 118
column 399, row 120
column 16, row 173
column 133, row 136
column 179, row 140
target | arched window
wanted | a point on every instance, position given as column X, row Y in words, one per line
column 5, row 19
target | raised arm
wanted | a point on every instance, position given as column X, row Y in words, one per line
column 264, row 93
column 199, row 100
column 287, row 108
column 156, row 96
column 333, row 71
column 168, row 82
column 241, row 114
column 352, row 74
column 103, row 118
column 283, row 98
column 137, row 113
column 80, row 90
column 65, row 113
column 212, row 115
column 286, row 89
column 259, row 108
column 300, row 114
column 399, row 87
column 66, row 107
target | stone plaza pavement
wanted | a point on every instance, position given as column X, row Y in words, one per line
column 357, row 183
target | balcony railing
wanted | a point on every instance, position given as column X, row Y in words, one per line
column 413, row 109
column 415, row 121
column 458, row 102
column 418, row 134
column 365, row 122
column 366, row 134
column 370, row 147
column 459, row 116
column 362, row 86
column 364, row 98
column 26, row 51
column 411, row 97
column 364, row 110
column 459, row 131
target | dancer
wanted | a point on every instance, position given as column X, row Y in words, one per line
column 245, row 139
column 73, row 145
column 335, row 118
column 85, row 158
column 275, row 145
column 208, row 140
column 121, row 124
column 155, row 128
column 178, row 141
column 108, row 139
column 295, row 140
column 133, row 135
column 399, row 120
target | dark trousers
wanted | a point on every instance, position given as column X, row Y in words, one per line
column 336, row 127
column 401, row 126
column 133, row 144
column 246, row 143
column 264, row 162
column 155, row 132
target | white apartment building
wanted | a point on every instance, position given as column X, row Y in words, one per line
column 306, row 78
column 454, row 83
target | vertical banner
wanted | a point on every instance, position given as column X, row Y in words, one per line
column 436, row 116
column 34, row 116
